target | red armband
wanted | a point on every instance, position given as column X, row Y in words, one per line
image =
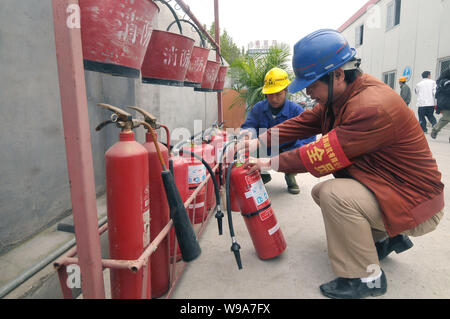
column 324, row 156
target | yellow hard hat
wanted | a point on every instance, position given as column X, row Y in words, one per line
column 276, row 80
column 402, row 79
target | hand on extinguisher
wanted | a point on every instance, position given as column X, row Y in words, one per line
column 258, row 164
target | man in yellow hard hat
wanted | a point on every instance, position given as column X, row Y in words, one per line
column 275, row 110
column 405, row 91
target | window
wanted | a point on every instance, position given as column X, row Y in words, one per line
column 444, row 65
column 393, row 14
column 359, row 35
column 389, row 78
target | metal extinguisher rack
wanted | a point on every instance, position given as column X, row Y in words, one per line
column 80, row 164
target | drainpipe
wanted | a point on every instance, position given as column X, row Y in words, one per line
column 188, row 11
column 217, row 31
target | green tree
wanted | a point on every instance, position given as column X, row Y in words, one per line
column 228, row 49
column 250, row 70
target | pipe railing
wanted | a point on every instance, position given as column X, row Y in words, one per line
column 135, row 265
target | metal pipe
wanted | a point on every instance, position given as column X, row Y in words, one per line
column 218, row 57
column 72, row 252
column 74, row 106
column 5, row 290
column 36, row 268
column 188, row 11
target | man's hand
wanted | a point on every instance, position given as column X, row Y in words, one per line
column 257, row 164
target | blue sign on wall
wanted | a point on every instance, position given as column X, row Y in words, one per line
column 407, row 72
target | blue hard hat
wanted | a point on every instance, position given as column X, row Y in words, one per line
column 318, row 54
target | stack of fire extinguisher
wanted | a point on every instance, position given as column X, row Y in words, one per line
column 143, row 195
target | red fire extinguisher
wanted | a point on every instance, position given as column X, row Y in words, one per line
column 159, row 209
column 256, row 208
column 127, row 190
column 196, row 175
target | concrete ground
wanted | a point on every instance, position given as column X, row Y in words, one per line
column 421, row 272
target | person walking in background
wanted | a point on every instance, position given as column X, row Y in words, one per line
column 276, row 109
column 405, row 91
column 425, row 91
column 443, row 102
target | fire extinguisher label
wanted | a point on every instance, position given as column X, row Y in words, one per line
column 146, row 216
column 198, row 205
column 266, row 214
column 196, row 174
column 274, row 229
column 146, row 235
column 257, row 189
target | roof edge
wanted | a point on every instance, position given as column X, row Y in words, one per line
column 357, row 15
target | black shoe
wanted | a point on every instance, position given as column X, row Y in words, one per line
column 399, row 244
column 266, row 178
column 433, row 135
column 354, row 288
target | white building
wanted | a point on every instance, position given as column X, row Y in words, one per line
column 401, row 37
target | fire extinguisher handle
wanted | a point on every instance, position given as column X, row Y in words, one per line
column 148, row 117
column 103, row 124
column 122, row 115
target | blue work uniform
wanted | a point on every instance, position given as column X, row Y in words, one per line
column 260, row 117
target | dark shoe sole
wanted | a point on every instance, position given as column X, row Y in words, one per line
column 294, row 191
column 403, row 245
column 375, row 292
column 266, row 179
column 354, row 288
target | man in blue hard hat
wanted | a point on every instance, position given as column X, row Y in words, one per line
column 387, row 185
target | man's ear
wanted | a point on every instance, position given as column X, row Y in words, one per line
column 339, row 73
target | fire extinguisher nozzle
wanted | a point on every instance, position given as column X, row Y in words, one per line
column 189, row 246
column 235, row 249
column 219, row 216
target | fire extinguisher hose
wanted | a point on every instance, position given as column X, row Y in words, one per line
column 219, row 214
column 189, row 246
column 235, row 246
column 221, row 159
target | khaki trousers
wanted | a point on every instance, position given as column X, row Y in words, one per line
column 353, row 223
column 443, row 121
